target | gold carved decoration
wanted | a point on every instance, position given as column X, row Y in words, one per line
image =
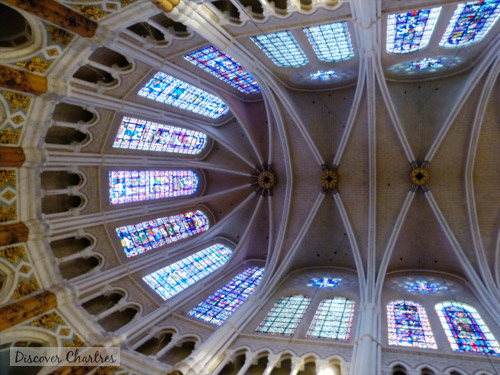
column 36, row 64
column 9, row 136
column 91, row 11
column 8, row 195
column 107, row 370
column 17, row 119
column 329, row 179
column 25, row 269
column 17, row 100
column 419, row 176
column 8, row 214
column 48, row 321
column 266, row 179
column 127, row 2
column 7, row 177
column 26, row 288
column 76, row 343
column 64, row 332
column 14, row 254
column 52, row 52
column 58, row 35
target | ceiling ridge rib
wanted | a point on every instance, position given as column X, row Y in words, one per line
column 360, row 267
column 391, row 244
column 485, row 295
column 289, row 181
column 469, row 178
column 372, row 178
column 396, row 122
column 467, row 89
column 360, row 89
column 283, row 267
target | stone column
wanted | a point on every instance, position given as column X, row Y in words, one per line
column 227, row 358
column 21, row 80
column 272, row 361
column 297, row 364
column 26, row 308
column 365, row 357
column 173, row 342
column 56, row 13
column 13, row 233
column 249, row 357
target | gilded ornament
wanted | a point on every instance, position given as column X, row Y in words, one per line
column 266, row 179
column 17, row 100
column 17, row 119
column 36, row 64
column 25, row 288
column 329, row 179
column 25, row 269
column 419, row 176
column 91, row 11
column 13, row 254
column 8, row 214
column 7, row 177
column 111, row 7
column 108, row 370
column 76, row 343
column 48, row 321
column 64, row 332
column 58, row 35
column 52, row 52
column 8, row 195
column 127, row 2
column 9, row 136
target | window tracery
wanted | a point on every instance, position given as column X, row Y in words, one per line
column 282, row 48
column 331, row 42
column 285, row 315
column 333, row 319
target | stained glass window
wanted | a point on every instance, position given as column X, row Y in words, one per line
column 333, row 319
column 149, row 136
column 470, row 23
column 425, row 63
column 323, row 75
column 167, row 89
column 282, row 48
column 408, row 325
column 173, row 279
column 136, row 186
column 148, row 235
column 331, row 42
column 220, row 305
column 424, row 287
column 465, row 329
column 324, row 282
column 408, row 32
column 285, row 315
column 215, row 62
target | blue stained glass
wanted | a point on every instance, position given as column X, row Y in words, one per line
column 465, row 329
column 136, row 186
column 282, row 48
column 324, row 282
column 173, row 279
column 149, row 136
column 470, row 23
column 220, row 305
column 217, row 63
column 148, row 235
column 408, row 325
column 323, row 75
column 333, row 319
column 409, row 32
column 425, row 63
column 424, row 287
column 167, row 89
column 285, row 316
column 331, row 42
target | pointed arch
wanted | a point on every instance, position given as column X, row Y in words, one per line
column 408, row 325
column 465, row 329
